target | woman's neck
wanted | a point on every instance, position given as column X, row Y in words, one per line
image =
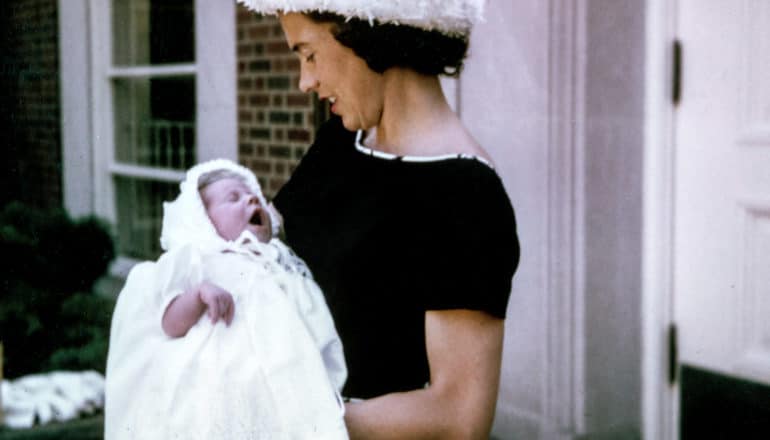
column 415, row 115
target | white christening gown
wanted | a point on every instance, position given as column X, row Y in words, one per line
column 274, row 373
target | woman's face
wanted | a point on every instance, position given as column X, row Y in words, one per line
column 334, row 72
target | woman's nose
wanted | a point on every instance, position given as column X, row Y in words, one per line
column 307, row 82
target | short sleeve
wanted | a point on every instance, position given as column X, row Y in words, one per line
column 177, row 271
column 466, row 249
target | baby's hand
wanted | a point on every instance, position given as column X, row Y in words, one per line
column 219, row 302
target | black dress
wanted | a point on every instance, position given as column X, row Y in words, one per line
column 388, row 240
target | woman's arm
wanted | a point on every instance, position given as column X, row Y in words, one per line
column 186, row 309
column 464, row 351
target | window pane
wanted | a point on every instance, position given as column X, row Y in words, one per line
column 140, row 214
column 153, row 32
column 155, row 122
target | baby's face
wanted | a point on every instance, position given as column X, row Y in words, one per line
column 233, row 208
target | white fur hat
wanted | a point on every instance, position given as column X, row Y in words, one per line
column 451, row 17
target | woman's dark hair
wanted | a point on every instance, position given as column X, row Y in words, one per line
column 385, row 45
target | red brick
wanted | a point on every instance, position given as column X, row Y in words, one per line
column 245, row 116
column 296, row 100
column 245, row 150
column 299, row 135
column 276, row 183
column 277, row 47
column 261, row 166
column 259, row 32
column 245, row 49
column 260, row 99
column 292, row 65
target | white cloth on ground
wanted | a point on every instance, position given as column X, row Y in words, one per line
column 38, row 399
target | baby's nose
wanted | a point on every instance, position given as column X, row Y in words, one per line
column 253, row 199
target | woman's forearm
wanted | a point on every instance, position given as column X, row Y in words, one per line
column 464, row 353
column 182, row 313
column 419, row 414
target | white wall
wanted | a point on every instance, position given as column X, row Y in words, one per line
column 503, row 100
column 614, row 146
column 555, row 91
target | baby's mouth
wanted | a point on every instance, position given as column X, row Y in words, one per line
column 256, row 218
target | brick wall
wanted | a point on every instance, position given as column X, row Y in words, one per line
column 29, row 106
column 276, row 121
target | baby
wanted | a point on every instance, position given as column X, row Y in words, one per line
column 226, row 335
column 233, row 208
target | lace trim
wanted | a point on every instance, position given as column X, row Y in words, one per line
column 390, row 156
column 275, row 256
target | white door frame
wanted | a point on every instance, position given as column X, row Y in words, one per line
column 660, row 411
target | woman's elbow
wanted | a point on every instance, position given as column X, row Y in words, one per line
column 462, row 429
column 471, row 428
column 467, row 418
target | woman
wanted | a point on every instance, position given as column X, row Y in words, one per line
column 400, row 215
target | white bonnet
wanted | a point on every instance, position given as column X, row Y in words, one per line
column 185, row 220
column 451, row 17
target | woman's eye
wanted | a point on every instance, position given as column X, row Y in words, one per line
column 310, row 58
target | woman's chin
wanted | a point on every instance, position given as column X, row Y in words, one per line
column 349, row 125
column 353, row 124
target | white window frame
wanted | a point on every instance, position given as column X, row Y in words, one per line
column 87, row 73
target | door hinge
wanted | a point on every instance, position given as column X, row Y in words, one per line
column 676, row 72
column 673, row 355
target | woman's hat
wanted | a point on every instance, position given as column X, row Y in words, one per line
column 451, row 17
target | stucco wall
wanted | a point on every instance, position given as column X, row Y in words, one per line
column 579, row 376
column 614, row 141
column 503, row 101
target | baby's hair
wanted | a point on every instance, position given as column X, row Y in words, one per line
column 207, row 179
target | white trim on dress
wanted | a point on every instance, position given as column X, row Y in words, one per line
column 390, row 156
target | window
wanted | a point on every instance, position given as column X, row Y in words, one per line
column 160, row 89
column 152, row 81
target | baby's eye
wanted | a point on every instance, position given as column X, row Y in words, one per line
column 232, row 197
column 310, row 58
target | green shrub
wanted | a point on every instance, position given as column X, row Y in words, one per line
column 48, row 317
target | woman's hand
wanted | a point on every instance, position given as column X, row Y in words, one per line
column 464, row 351
column 219, row 303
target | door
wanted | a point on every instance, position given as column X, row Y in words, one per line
column 722, row 218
